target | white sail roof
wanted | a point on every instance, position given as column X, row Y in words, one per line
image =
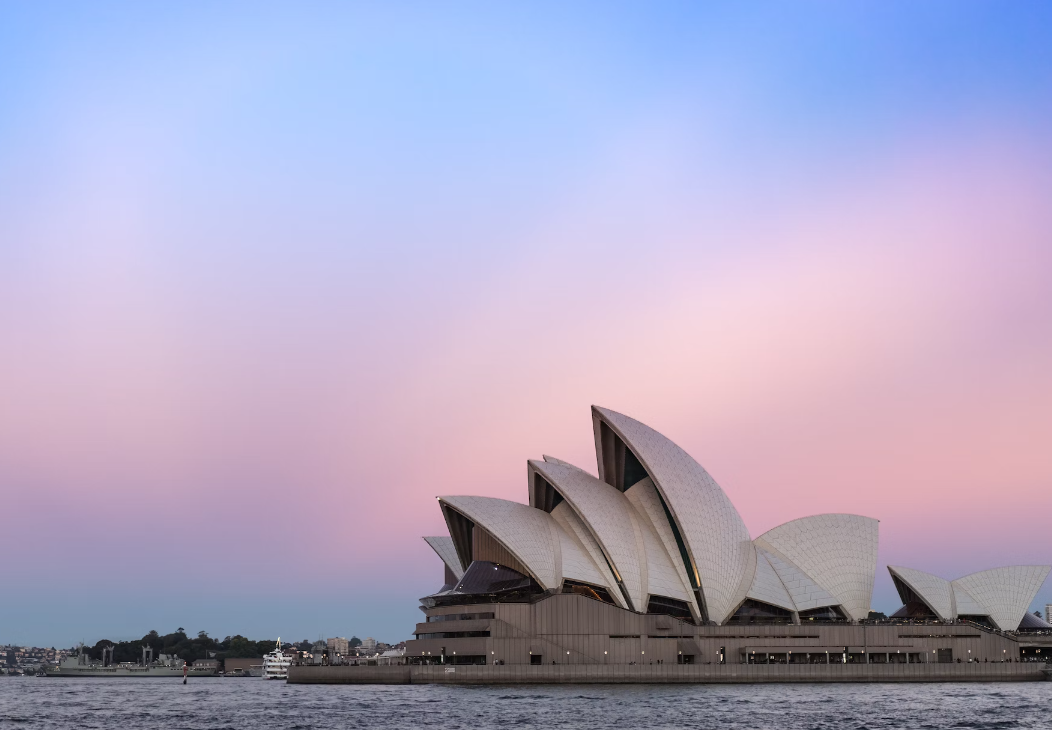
column 805, row 593
column 576, row 563
column 837, row 551
column 767, row 586
column 716, row 539
column 666, row 573
column 933, row 590
column 572, row 526
column 444, row 548
column 965, row 604
column 530, row 535
column 1006, row 593
column 609, row 516
column 1001, row 594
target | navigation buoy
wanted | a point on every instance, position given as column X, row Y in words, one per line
column 186, row 668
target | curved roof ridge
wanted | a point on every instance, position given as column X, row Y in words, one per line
column 964, row 603
column 647, row 503
column 838, row 551
column 1005, row 592
column 936, row 592
column 577, row 562
column 559, row 462
column 806, row 594
column 525, row 532
column 715, row 536
column 608, row 515
column 571, row 524
column 447, row 551
column 768, row 587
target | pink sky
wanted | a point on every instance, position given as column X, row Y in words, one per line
column 197, row 354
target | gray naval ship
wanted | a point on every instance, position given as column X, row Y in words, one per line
column 166, row 665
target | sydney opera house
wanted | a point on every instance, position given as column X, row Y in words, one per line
column 650, row 563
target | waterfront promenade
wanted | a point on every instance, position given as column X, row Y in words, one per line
column 669, row 673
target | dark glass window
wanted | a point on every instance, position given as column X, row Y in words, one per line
column 914, row 609
column 461, row 616
column 981, row 620
column 757, row 612
column 589, row 591
column 545, row 496
column 485, row 577
column 914, row 606
column 634, row 471
column 455, row 635
column 669, row 607
column 460, row 529
column 680, row 544
column 826, row 614
column 536, row 659
column 486, row 582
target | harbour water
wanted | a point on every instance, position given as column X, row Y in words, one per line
column 204, row 704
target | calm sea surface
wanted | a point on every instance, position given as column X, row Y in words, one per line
column 31, row 702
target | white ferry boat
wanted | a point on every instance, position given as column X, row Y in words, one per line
column 276, row 664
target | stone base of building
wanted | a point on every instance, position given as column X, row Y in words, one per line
column 669, row 673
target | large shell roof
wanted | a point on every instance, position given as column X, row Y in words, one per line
column 674, row 534
column 609, row 516
column 715, row 536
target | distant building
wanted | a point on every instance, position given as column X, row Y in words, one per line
column 338, row 645
column 1048, row 612
column 252, row 666
column 391, row 656
column 206, row 665
column 368, row 645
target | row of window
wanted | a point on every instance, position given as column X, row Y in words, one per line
column 461, row 617
column 455, row 635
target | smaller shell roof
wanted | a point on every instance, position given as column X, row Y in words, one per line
column 585, row 540
column 933, row 590
column 608, row 515
column 1032, row 622
column 713, row 532
column 529, row 534
column 805, row 593
column 767, row 586
column 837, row 551
column 1005, row 592
column 964, row 604
column 666, row 573
column 1002, row 594
column 444, row 548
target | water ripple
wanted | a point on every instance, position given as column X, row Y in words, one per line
column 235, row 704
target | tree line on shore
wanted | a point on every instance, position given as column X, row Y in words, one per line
column 190, row 649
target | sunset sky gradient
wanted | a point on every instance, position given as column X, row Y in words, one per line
column 273, row 276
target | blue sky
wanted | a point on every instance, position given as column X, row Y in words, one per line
column 312, row 264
